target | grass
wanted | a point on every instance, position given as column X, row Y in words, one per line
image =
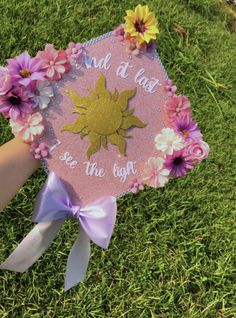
column 173, row 249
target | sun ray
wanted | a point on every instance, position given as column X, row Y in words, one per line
column 80, row 102
column 95, row 144
column 77, row 126
column 131, row 121
column 124, row 97
column 118, row 141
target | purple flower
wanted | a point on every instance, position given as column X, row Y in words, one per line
column 151, row 47
column 187, row 128
column 179, row 163
column 5, row 81
column 39, row 150
column 169, row 88
column 15, row 104
column 75, row 51
column 25, row 69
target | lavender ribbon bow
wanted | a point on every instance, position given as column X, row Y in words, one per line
column 53, row 206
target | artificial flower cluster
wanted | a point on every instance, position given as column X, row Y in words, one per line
column 25, row 89
column 139, row 32
column 181, row 145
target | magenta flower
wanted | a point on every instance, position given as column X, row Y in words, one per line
column 55, row 63
column 179, row 163
column 169, row 88
column 187, row 128
column 178, row 106
column 198, row 150
column 136, row 185
column 5, row 80
column 16, row 104
column 75, row 51
column 24, row 69
column 39, row 150
column 119, row 32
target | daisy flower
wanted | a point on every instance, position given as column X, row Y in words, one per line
column 141, row 24
column 179, row 163
column 16, row 104
column 24, row 69
column 187, row 128
column 168, row 141
column 178, row 106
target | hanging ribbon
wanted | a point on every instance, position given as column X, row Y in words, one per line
column 53, row 206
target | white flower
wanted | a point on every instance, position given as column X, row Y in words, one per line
column 43, row 94
column 168, row 141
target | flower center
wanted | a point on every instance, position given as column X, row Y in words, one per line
column 74, row 50
column 185, row 133
column 25, row 72
column 15, row 100
column 178, row 161
column 140, row 26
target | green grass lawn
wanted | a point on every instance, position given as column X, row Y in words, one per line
column 173, row 249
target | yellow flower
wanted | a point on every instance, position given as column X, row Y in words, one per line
column 141, row 24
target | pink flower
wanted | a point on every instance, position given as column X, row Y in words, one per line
column 28, row 128
column 169, row 88
column 5, row 80
column 39, row 150
column 168, row 141
column 119, row 32
column 135, row 185
column 155, row 174
column 24, row 69
column 187, row 128
column 55, row 63
column 179, row 163
column 133, row 47
column 16, row 104
column 75, row 51
column 198, row 150
column 178, row 106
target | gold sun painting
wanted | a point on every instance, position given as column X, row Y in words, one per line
column 103, row 117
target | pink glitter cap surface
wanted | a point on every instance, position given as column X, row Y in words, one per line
column 108, row 55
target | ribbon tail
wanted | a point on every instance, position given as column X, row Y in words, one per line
column 78, row 260
column 32, row 246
